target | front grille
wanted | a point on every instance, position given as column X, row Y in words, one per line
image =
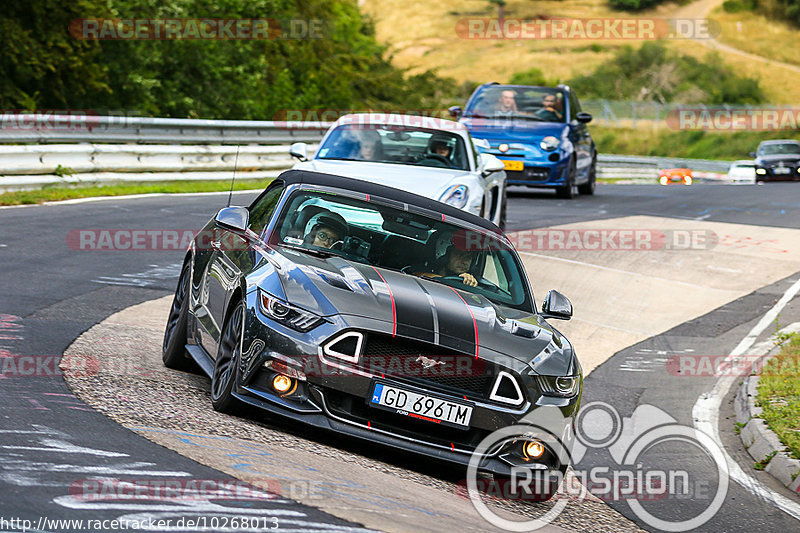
column 529, row 174
column 402, row 359
column 356, row 410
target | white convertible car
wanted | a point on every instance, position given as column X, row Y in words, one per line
column 423, row 155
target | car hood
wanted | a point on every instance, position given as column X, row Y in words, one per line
column 425, row 181
column 509, row 130
column 421, row 309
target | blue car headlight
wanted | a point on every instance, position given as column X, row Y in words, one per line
column 287, row 314
column 549, row 143
column 456, row 195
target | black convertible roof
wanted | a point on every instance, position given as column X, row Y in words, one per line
column 318, row 178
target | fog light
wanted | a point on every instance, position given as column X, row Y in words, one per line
column 282, row 383
column 533, row 449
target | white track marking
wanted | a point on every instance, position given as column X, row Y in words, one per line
column 126, row 197
column 610, row 269
column 706, row 410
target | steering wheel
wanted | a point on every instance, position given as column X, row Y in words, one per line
column 436, row 157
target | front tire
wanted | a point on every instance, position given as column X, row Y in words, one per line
column 504, row 202
column 567, row 192
column 588, row 187
column 223, row 379
column 173, row 350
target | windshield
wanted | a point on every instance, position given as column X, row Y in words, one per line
column 369, row 232
column 775, row 149
column 395, row 144
column 528, row 103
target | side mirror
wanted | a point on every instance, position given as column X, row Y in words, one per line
column 234, row 218
column 299, row 151
column 489, row 164
column 556, row 305
column 752, row 154
column 584, row 117
column 455, row 111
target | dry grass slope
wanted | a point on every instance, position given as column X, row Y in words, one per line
column 422, row 36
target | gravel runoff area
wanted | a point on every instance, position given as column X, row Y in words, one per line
column 116, row 368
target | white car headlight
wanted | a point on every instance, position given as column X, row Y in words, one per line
column 456, row 195
column 549, row 143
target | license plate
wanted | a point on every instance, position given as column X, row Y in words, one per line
column 781, row 170
column 420, row 406
column 513, row 165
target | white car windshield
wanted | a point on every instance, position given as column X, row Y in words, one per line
column 373, row 233
column 395, row 144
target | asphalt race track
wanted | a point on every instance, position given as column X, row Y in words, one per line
column 635, row 309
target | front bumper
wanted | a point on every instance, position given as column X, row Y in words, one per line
column 334, row 398
column 772, row 173
column 539, row 172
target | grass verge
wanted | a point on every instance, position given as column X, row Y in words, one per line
column 689, row 144
column 60, row 192
column 779, row 394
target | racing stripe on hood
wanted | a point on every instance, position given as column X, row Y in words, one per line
column 456, row 325
column 415, row 316
column 391, row 297
column 447, row 322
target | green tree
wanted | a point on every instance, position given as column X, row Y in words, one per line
column 42, row 65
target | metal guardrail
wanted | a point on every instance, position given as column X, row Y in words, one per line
column 31, row 128
column 162, row 148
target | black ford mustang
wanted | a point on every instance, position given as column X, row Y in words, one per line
column 336, row 302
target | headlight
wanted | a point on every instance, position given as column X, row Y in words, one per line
column 549, row 143
column 287, row 314
column 761, row 171
column 564, row 386
column 456, row 195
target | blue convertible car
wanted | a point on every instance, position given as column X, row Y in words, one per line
column 540, row 134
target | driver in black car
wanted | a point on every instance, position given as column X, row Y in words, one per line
column 455, row 263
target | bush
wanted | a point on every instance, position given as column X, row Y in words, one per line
column 533, row 76
column 737, row 6
column 653, row 73
column 634, row 5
